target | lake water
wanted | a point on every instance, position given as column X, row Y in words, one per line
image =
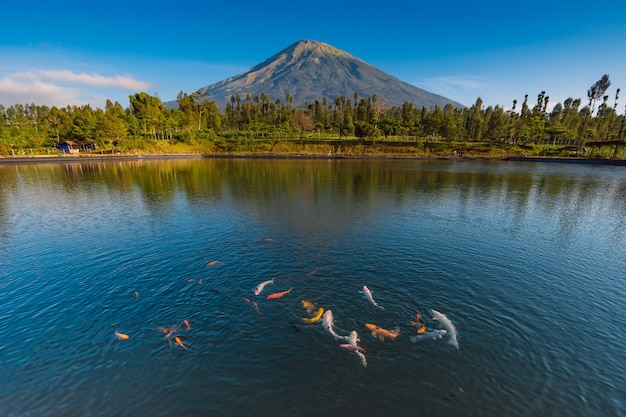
column 527, row 260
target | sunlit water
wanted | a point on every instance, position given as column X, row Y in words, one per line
column 526, row 260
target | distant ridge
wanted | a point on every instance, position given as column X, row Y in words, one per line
column 310, row 70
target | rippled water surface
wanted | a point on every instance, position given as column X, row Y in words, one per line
column 527, row 260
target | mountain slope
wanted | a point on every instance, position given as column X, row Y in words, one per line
column 311, row 70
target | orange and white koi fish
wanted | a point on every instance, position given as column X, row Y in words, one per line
column 187, row 325
column 315, row 318
column 213, row 263
column 121, row 336
column 381, row 333
column 259, row 288
column 308, row 306
column 278, row 294
column 180, row 343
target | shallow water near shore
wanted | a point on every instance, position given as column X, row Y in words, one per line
column 525, row 259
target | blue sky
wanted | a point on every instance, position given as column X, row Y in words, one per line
column 69, row 52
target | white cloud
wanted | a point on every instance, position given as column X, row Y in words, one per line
column 63, row 87
column 94, row 80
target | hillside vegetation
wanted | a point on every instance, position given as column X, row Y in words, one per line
column 342, row 126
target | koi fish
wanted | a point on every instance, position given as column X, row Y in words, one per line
column 259, row 288
column 169, row 330
column 312, row 271
column 256, row 306
column 328, row 322
column 368, row 295
column 315, row 318
column 358, row 350
column 362, row 356
column 278, row 294
column 381, row 333
column 180, row 343
column 186, row 323
column 353, row 339
column 136, row 295
column 435, row 334
column 246, row 299
column 121, row 336
column 213, row 263
column 419, row 322
column 445, row 322
column 352, row 346
column 308, row 306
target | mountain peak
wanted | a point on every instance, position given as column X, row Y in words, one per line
column 310, row 70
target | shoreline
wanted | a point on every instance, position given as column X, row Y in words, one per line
column 37, row 159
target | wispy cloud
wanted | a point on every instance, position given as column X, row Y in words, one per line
column 94, row 80
column 462, row 88
column 63, row 87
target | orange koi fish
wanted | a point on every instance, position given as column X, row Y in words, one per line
column 213, row 263
column 419, row 323
column 308, row 306
column 186, row 323
column 381, row 333
column 121, row 336
column 180, row 343
column 256, row 306
column 278, row 294
column 246, row 299
column 168, row 330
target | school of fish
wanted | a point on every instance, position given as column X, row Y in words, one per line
column 350, row 342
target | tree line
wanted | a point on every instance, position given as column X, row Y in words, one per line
column 196, row 117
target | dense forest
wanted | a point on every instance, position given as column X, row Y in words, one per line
column 37, row 129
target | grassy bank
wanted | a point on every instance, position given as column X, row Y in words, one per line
column 350, row 147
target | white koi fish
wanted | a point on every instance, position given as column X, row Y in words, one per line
column 445, row 322
column 259, row 288
column 435, row 334
column 368, row 295
column 328, row 323
column 362, row 356
column 353, row 338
